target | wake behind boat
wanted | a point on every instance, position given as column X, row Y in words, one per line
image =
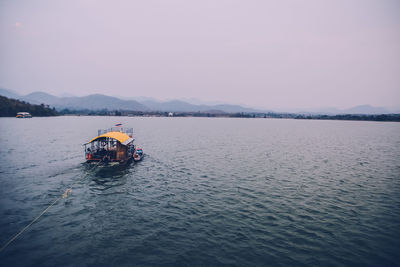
column 112, row 146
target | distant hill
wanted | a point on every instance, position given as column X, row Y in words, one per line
column 362, row 109
column 174, row 106
column 181, row 106
column 100, row 102
column 97, row 102
column 235, row 108
column 9, row 93
column 10, row 107
column 90, row 102
column 40, row 97
column 366, row 109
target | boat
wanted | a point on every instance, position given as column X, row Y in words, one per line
column 21, row 115
column 111, row 146
column 138, row 155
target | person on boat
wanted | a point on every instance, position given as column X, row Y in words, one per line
column 106, row 159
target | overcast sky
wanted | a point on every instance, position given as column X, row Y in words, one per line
column 272, row 54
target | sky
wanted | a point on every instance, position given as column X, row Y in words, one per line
column 270, row 54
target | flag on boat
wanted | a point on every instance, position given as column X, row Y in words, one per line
column 118, row 124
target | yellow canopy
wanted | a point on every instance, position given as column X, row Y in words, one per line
column 121, row 137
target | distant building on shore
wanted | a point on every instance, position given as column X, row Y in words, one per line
column 171, row 114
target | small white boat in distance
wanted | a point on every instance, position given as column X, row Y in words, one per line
column 23, row 115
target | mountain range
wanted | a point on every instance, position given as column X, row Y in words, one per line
column 100, row 102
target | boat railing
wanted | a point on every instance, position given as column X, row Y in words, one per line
column 128, row 131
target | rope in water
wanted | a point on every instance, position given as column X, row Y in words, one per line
column 64, row 195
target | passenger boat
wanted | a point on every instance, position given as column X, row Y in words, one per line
column 114, row 145
column 23, row 115
column 138, row 155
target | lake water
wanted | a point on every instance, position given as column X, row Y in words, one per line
column 210, row 192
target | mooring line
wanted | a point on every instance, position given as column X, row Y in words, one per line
column 64, row 195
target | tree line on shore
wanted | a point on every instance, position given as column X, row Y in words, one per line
column 353, row 117
column 10, row 108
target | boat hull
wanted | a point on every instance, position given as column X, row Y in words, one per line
column 138, row 158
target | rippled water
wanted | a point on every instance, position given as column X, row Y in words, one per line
column 210, row 192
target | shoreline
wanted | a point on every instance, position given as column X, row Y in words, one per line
column 339, row 117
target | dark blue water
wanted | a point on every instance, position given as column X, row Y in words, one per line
column 210, row 192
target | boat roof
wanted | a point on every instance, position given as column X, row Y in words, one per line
column 123, row 138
